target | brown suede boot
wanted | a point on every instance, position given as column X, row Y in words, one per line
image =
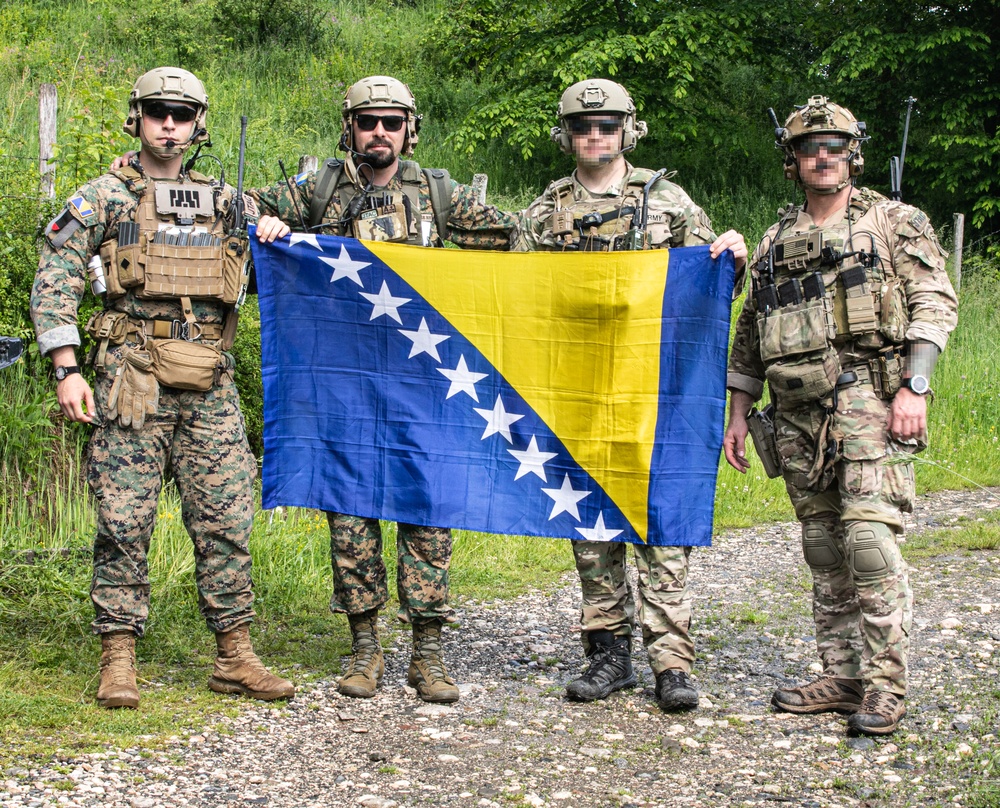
column 117, row 688
column 239, row 670
column 823, row 695
column 427, row 673
column 367, row 666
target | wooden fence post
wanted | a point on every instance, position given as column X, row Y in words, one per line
column 308, row 162
column 959, row 244
column 479, row 182
column 47, row 103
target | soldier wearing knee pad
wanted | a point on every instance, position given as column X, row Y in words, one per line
column 849, row 309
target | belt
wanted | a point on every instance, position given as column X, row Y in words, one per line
column 860, row 374
column 176, row 329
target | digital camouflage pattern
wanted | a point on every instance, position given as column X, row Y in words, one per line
column 200, row 436
column 423, row 556
column 607, row 601
column 664, row 601
column 674, row 219
column 472, row 224
column 424, row 553
column 846, row 478
column 62, row 277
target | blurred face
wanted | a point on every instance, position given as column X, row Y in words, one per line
column 379, row 134
column 823, row 160
column 596, row 138
column 164, row 124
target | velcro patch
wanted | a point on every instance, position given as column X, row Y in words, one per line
column 184, row 199
column 83, row 208
column 300, row 179
column 61, row 228
column 918, row 221
column 250, row 207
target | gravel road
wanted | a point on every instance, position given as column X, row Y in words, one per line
column 513, row 739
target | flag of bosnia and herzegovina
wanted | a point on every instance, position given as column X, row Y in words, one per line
column 572, row 395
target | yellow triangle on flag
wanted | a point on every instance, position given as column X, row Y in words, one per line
column 576, row 334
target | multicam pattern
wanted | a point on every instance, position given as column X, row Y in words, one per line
column 674, row 219
column 664, row 601
column 200, row 436
column 607, row 602
column 836, row 464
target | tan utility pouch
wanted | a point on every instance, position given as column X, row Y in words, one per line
column 185, row 365
column 109, row 258
column 799, row 328
column 894, row 318
column 176, row 271
column 804, row 380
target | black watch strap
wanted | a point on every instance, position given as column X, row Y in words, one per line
column 66, row 370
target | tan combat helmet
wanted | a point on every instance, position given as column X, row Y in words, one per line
column 821, row 116
column 168, row 84
column 597, row 95
column 380, row 92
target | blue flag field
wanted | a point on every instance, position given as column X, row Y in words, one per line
column 568, row 395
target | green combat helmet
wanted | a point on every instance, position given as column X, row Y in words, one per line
column 168, row 84
column 821, row 116
column 597, row 95
column 380, row 92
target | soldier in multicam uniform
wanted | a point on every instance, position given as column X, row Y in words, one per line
column 850, row 307
column 375, row 195
column 156, row 236
column 594, row 209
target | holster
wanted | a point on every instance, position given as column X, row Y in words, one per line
column 761, row 426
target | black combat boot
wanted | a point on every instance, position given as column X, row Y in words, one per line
column 610, row 668
column 675, row 691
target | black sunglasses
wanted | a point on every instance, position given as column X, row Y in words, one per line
column 391, row 123
column 161, row 110
column 584, row 126
column 809, row 147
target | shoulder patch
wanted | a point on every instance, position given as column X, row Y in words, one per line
column 300, row 179
column 82, row 207
column 250, row 207
column 59, row 230
column 918, row 221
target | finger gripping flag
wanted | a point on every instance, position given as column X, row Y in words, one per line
column 565, row 395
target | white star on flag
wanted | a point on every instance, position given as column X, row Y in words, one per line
column 423, row 340
column 498, row 421
column 565, row 499
column 345, row 266
column 532, row 461
column 462, row 379
column 385, row 303
column 308, row 238
column 598, row 532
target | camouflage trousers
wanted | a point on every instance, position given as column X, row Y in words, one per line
column 664, row 602
column 851, row 515
column 201, row 438
column 423, row 555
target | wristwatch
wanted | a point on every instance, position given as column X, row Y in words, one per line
column 66, row 370
column 918, row 385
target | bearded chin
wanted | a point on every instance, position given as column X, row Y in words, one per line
column 378, row 159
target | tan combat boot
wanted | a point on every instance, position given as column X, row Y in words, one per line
column 427, row 673
column 117, row 688
column 239, row 670
column 367, row 666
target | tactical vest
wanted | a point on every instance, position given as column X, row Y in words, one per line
column 596, row 225
column 177, row 244
column 385, row 216
column 823, row 295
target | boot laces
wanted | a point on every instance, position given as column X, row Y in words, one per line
column 880, row 702
column 604, row 663
column 363, row 654
column 428, row 648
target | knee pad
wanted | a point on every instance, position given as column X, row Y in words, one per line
column 872, row 547
column 820, row 547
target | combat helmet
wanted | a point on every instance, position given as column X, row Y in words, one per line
column 821, row 116
column 168, row 84
column 380, row 92
column 597, row 95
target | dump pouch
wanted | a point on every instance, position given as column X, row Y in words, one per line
column 803, row 380
column 796, row 329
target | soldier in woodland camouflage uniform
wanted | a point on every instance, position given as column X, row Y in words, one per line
column 849, row 310
column 374, row 195
column 593, row 209
column 156, row 236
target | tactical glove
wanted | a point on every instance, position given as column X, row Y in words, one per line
column 135, row 392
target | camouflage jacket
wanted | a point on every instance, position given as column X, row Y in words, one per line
column 674, row 219
column 93, row 214
column 904, row 239
column 471, row 223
